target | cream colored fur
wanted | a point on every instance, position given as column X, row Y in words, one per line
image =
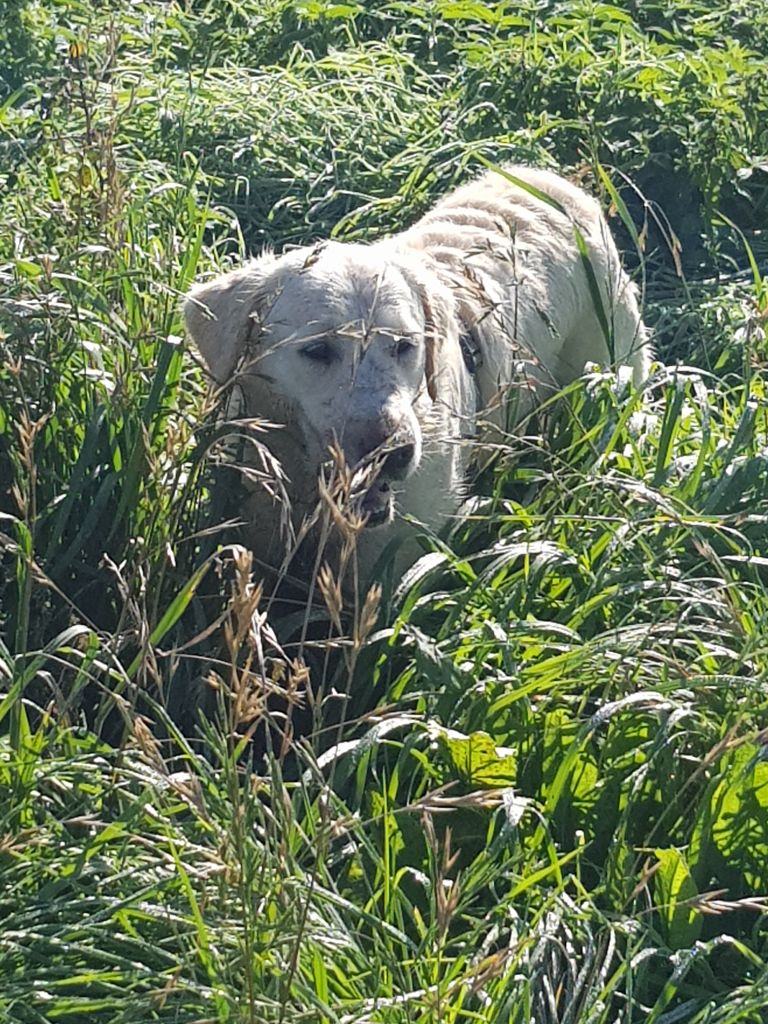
column 362, row 344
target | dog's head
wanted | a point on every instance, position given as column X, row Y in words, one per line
column 341, row 344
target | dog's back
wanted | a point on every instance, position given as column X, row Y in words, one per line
column 538, row 277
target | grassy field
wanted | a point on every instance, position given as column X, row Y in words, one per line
column 533, row 788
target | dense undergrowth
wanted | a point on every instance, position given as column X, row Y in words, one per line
column 534, row 786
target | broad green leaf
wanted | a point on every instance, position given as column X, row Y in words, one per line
column 674, row 888
column 569, row 771
column 477, row 759
column 739, row 815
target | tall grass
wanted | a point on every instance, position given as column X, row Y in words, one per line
column 534, row 788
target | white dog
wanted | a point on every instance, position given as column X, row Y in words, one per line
column 400, row 351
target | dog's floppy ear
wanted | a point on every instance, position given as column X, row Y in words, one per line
column 220, row 315
column 439, row 322
column 439, row 319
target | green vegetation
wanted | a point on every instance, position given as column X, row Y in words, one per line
column 546, row 796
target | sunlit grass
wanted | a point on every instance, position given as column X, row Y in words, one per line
column 537, row 790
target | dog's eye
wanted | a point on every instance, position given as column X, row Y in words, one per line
column 403, row 348
column 319, row 352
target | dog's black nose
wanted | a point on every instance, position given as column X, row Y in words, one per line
column 399, row 460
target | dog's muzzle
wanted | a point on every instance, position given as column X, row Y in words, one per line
column 376, row 473
column 378, row 504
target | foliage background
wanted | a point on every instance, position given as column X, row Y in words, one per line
column 535, row 788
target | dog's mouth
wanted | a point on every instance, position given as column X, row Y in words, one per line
column 372, row 496
column 378, row 504
column 372, row 493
